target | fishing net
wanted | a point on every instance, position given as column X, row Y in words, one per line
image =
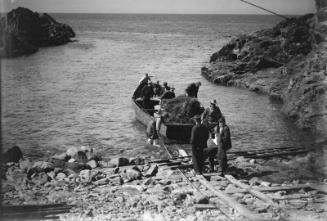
column 181, row 109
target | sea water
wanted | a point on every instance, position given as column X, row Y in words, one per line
column 80, row 93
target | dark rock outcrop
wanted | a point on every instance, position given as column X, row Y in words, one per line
column 13, row 154
column 23, row 32
column 287, row 62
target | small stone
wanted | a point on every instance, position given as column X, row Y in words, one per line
column 61, row 176
column 119, row 162
column 167, row 189
column 152, row 171
column 241, row 159
column 265, row 183
column 85, row 176
column 102, row 181
column 137, row 161
column 71, row 160
column 116, row 180
column 92, row 164
column 103, row 164
column 62, row 156
column 131, row 175
column 254, row 181
column 132, row 190
column 89, row 213
column 147, row 181
column 42, row 166
column 231, row 188
column 200, row 199
column 41, row 179
column 252, row 161
column 25, row 165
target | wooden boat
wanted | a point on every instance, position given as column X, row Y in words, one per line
column 172, row 131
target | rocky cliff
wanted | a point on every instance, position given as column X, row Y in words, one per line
column 23, row 32
column 287, row 62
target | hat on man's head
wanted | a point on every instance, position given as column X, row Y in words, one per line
column 214, row 102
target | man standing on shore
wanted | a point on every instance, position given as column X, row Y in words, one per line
column 198, row 141
column 224, row 143
column 211, row 115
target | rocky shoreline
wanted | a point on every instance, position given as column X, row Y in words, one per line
column 145, row 189
column 287, row 62
column 23, row 32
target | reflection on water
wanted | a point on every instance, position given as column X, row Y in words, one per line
column 79, row 94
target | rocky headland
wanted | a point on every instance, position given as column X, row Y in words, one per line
column 23, row 32
column 287, row 62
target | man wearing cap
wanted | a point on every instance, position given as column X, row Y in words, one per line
column 211, row 115
column 168, row 94
column 147, row 93
column 198, row 141
column 145, row 79
column 222, row 142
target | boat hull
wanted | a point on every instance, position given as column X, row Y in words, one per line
column 174, row 131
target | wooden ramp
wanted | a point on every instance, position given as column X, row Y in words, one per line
column 34, row 212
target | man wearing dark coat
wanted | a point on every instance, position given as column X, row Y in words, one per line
column 193, row 89
column 211, row 115
column 198, row 141
column 147, row 93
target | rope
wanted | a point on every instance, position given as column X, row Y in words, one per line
column 267, row 10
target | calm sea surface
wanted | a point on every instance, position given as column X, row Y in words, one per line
column 80, row 93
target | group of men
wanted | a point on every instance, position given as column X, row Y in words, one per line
column 210, row 137
column 149, row 90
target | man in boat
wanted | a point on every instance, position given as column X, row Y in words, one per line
column 145, row 79
column 211, row 116
column 223, row 142
column 165, row 88
column 193, row 89
column 147, row 93
column 168, row 94
column 157, row 89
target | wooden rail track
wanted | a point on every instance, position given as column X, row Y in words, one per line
column 33, row 212
column 226, row 199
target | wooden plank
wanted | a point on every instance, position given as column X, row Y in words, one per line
column 274, row 189
column 170, row 163
column 230, row 201
column 321, row 188
column 204, row 206
column 280, row 154
column 262, row 153
column 253, row 191
column 33, row 214
column 16, row 208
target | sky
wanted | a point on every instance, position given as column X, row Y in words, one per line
column 161, row 6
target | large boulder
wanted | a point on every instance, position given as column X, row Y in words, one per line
column 23, row 31
column 13, row 154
